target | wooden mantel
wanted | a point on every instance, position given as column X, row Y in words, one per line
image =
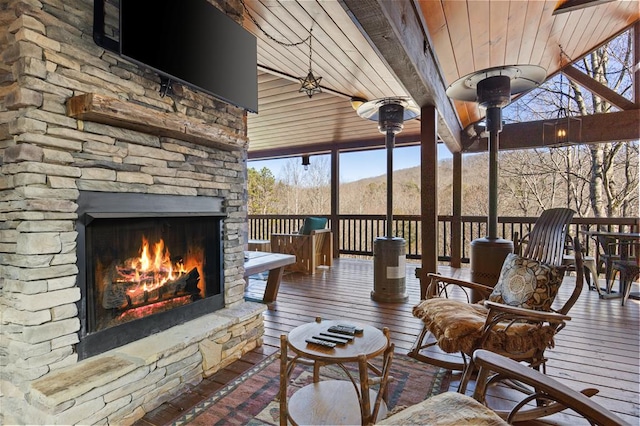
column 117, row 112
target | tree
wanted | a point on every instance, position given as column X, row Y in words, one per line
column 292, row 179
column 262, row 191
column 606, row 197
column 305, row 191
column 527, row 185
column 475, row 185
column 318, row 185
column 604, row 174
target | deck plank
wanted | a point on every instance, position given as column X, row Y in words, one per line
column 599, row 347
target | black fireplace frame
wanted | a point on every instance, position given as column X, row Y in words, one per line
column 95, row 205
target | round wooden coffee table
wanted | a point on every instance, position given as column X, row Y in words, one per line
column 335, row 401
column 371, row 342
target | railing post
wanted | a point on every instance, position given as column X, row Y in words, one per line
column 335, row 201
column 456, row 223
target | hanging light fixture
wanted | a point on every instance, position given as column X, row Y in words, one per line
column 305, row 162
column 565, row 130
column 310, row 84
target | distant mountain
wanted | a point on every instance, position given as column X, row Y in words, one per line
column 369, row 195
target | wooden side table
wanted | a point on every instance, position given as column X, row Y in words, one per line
column 332, row 402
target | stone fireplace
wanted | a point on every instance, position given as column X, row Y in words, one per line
column 146, row 262
column 101, row 176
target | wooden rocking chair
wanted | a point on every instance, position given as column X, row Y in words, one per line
column 451, row 408
column 517, row 324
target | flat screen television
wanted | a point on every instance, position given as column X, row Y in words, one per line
column 191, row 42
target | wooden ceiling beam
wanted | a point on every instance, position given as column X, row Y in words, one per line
column 402, row 139
column 570, row 5
column 598, row 89
column 597, row 128
column 395, row 29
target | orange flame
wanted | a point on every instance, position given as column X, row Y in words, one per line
column 151, row 269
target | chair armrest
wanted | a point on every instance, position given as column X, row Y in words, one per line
column 320, row 231
column 292, row 234
column 443, row 282
column 552, row 389
column 296, row 234
column 526, row 314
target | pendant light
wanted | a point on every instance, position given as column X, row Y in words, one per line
column 310, row 84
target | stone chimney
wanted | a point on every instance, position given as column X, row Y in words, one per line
column 48, row 157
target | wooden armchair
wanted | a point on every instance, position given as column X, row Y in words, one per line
column 451, row 408
column 312, row 246
column 516, row 319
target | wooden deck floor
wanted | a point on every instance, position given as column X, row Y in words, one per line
column 600, row 347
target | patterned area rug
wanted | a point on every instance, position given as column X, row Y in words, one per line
column 252, row 399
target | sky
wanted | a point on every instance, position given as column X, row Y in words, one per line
column 362, row 164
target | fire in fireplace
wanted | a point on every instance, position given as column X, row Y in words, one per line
column 133, row 279
column 146, row 263
column 150, row 279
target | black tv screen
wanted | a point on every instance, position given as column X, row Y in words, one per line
column 194, row 43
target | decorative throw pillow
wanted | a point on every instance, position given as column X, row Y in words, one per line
column 527, row 283
column 313, row 224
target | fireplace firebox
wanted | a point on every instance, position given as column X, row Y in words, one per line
column 145, row 263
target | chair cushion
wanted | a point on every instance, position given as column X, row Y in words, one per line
column 446, row 409
column 313, row 224
column 458, row 327
column 527, row 283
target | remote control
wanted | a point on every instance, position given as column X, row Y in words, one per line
column 339, row 336
column 342, row 329
column 337, row 340
column 320, row 342
column 356, row 330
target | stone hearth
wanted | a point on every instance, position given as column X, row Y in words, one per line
column 49, row 155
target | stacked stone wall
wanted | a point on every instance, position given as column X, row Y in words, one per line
column 47, row 158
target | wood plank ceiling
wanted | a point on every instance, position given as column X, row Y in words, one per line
column 465, row 36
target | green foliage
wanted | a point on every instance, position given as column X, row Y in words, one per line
column 262, row 188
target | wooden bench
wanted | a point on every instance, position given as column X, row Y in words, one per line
column 260, row 261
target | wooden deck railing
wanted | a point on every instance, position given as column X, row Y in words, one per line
column 357, row 232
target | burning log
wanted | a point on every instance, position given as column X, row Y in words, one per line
column 120, row 294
